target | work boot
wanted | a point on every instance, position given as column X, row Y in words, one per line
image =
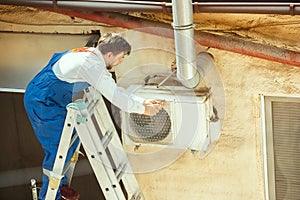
column 68, row 193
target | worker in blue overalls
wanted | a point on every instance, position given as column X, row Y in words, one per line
column 54, row 87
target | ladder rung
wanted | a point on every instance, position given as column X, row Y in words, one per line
column 75, row 157
column 120, row 170
column 137, row 196
column 107, row 138
column 92, row 104
column 75, row 136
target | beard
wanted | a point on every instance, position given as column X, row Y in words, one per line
column 109, row 67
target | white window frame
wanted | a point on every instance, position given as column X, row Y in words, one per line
column 267, row 141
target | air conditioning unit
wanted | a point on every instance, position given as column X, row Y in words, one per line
column 187, row 121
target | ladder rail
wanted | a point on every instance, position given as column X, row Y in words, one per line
column 99, row 160
column 34, row 189
column 57, row 171
column 115, row 146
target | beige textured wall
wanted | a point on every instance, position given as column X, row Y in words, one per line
column 234, row 169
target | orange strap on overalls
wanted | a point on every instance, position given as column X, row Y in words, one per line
column 80, row 49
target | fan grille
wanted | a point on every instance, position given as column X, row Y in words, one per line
column 146, row 128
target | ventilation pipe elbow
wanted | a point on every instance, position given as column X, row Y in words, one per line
column 205, row 62
column 184, row 43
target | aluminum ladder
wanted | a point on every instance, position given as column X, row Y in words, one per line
column 99, row 138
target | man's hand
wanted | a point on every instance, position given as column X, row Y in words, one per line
column 152, row 107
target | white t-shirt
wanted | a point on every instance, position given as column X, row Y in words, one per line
column 90, row 67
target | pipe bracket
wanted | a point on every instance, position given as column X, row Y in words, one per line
column 292, row 9
column 183, row 27
column 164, row 7
column 55, row 6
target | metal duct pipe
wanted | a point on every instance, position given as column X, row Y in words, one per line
column 116, row 6
column 283, row 8
column 98, row 5
column 183, row 25
column 206, row 39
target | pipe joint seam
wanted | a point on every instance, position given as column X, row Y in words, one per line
column 183, row 27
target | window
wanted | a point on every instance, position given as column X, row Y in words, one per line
column 281, row 147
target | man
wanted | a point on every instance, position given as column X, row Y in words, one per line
column 66, row 74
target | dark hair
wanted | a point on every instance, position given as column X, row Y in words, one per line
column 114, row 43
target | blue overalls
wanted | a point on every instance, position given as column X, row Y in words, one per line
column 45, row 100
